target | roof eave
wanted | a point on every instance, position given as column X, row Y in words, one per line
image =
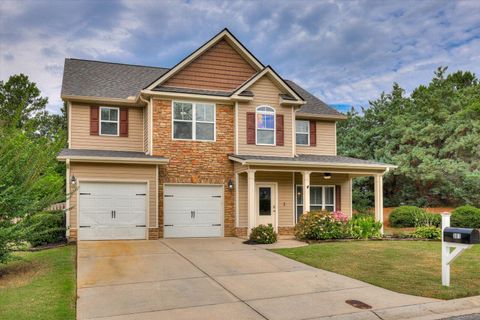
column 129, row 160
column 97, row 100
column 306, row 115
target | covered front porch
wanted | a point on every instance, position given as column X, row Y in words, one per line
column 274, row 191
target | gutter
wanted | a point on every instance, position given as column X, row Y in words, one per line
column 280, row 163
column 113, row 160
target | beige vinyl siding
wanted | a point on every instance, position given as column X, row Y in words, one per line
column 326, row 140
column 111, row 173
column 81, row 138
column 219, row 68
column 285, row 196
column 337, row 179
column 266, row 93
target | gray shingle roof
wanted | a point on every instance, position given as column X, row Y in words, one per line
column 313, row 105
column 105, row 79
column 115, row 80
column 66, row 153
column 323, row 159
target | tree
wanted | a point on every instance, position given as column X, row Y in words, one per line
column 432, row 135
column 20, row 100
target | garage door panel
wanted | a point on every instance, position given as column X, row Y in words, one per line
column 193, row 211
column 99, row 199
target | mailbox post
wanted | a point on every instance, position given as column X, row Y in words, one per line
column 459, row 239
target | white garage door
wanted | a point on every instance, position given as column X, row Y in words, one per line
column 111, row 211
column 193, row 211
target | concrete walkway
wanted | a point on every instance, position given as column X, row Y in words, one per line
column 224, row 279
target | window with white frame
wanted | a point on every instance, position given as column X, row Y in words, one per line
column 265, row 125
column 321, row 198
column 302, row 132
column 109, row 119
column 193, row 121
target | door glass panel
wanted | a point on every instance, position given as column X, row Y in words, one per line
column 299, row 212
column 265, row 201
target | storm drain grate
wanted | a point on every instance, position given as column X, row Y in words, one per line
column 358, row 304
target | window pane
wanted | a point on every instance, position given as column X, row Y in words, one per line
column 109, row 128
column 328, row 195
column 299, row 212
column 182, row 111
column 302, row 138
column 205, row 131
column 329, row 208
column 104, row 114
column 182, row 130
column 265, row 121
column 265, row 201
column 113, row 114
column 302, row 126
column 315, row 195
column 204, row 112
column 299, row 195
column 265, row 136
column 315, row 208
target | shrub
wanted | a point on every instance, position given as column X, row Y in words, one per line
column 466, row 217
column 263, row 234
column 425, row 219
column 44, row 228
column 320, row 225
column 404, row 216
column 364, row 214
column 428, row 232
column 364, row 227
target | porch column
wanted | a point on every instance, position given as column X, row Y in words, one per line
column 251, row 200
column 379, row 198
column 306, row 190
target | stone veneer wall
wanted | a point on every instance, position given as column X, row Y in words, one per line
column 195, row 161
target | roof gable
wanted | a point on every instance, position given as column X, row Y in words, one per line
column 223, row 43
column 220, row 67
column 275, row 79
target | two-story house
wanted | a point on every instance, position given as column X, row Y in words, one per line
column 212, row 147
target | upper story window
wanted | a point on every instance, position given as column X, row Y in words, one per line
column 109, row 120
column 193, row 121
column 302, row 132
column 265, row 125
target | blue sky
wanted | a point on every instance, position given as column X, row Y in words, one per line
column 345, row 52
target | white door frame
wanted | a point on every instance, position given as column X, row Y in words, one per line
column 273, row 185
column 197, row 184
column 147, row 198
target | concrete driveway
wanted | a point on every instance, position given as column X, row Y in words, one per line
column 214, row 279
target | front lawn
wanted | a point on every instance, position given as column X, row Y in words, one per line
column 40, row 285
column 411, row 267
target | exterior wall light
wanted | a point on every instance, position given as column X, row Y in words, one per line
column 327, row 175
column 230, row 184
column 73, row 180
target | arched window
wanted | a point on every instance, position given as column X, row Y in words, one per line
column 265, row 116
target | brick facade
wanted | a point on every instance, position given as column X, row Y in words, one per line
column 195, row 161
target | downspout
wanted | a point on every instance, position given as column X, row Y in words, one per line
column 149, row 121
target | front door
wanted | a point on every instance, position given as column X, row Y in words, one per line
column 266, row 199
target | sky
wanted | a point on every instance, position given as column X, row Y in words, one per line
column 345, row 52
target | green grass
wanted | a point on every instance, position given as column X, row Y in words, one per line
column 39, row 285
column 411, row 267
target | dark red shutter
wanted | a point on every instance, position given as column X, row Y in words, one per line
column 338, row 198
column 250, row 127
column 280, row 131
column 94, row 121
column 123, row 122
column 313, row 133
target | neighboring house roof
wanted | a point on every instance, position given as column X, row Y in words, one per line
column 309, row 159
column 88, row 78
column 109, row 156
column 313, row 105
column 105, row 79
